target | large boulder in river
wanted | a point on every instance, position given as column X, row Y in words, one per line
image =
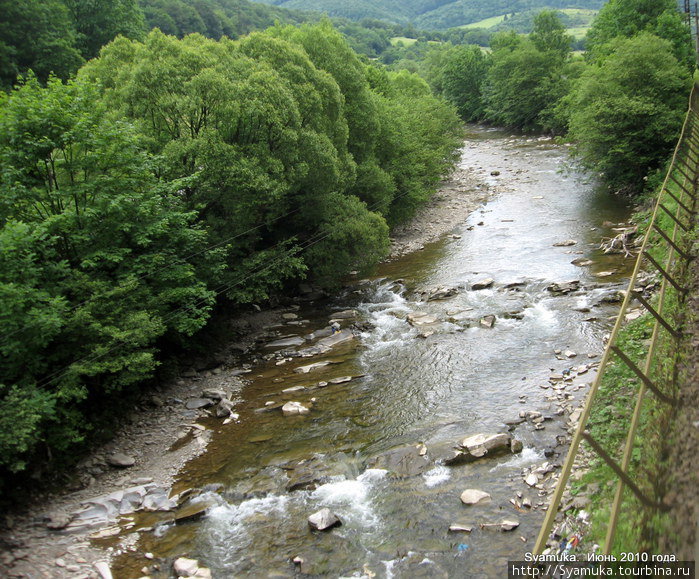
column 563, row 288
column 405, row 461
column 336, row 338
column 294, row 408
column 487, row 321
column 480, row 446
column 323, row 520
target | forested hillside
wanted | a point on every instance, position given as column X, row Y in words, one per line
column 430, row 14
column 60, row 35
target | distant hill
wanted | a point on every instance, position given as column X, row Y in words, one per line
column 430, row 14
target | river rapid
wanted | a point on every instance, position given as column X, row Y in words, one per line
column 415, row 385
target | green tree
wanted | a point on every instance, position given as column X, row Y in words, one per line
column 36, row 35
column 97, row 22
column 627, row 110
column 630, row 17
column 93, row 272
column 549, row 34
column 523, row 83
column 462, row 80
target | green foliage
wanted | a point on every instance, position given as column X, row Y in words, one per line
column 212, row 18
column 524, row 84
column 628, row 109
column 37, row 35
column 549, row 34
column 97, row 23
column 627, row 18
column 350, row 237
column 429, row 14
column 462, row 79
column 91, row 262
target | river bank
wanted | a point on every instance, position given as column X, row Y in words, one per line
column 33, row 539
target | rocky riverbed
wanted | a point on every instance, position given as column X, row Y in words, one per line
column 51, row 536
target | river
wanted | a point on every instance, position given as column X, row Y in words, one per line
column 459, row 378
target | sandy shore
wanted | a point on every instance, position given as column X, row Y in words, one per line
column 31, row 549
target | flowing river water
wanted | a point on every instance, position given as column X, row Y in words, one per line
column 459, row 378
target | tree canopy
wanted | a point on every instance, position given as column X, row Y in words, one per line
column 627, row 111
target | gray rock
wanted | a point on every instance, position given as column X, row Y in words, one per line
column 474, row 497
column 311, row 367
column 564, row 288
column 483, row 284
column 184, row 567
column 345, row 315
column 294, row 408
column 193, row 511
column 197, row 403
column 480, row 445
column 566, row 243
column 458, row 528
column 487, row 321
column 214, row 394
column 335, row 339
column 120, row 460
column 405, row 461
column 102, row 567
column 421, row 319
column 323, row 520
column 581, row 502
column 58, row 521
column 224, row 408
column 158, row 499
column 340, row 380
column 439, row 293
column 286, row 342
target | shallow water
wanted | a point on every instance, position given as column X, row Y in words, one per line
column 461, row 380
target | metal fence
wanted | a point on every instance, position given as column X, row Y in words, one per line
column 667, row 235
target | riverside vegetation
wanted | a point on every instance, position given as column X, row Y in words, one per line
column 171, row 176
column 174, row 173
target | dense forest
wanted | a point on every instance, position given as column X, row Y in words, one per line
column 430, row 14
column 149, row 178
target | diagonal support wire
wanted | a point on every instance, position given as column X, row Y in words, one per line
column 642, row 376
column 621, row 474
column 674, row 218
column 644, row 302
column 665, row 273
column 683, row 254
